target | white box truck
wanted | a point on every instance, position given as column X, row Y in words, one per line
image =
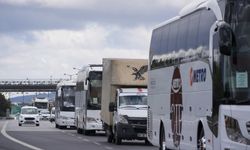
column 124, row 99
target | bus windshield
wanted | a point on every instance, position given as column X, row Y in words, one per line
column 95, row 90
column 236, row 68
column 68, row 98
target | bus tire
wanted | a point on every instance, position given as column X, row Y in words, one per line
column 162, row 139
column 201, row 140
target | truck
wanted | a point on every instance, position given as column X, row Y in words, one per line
column 42, row 103
column 124, row 99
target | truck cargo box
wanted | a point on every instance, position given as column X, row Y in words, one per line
column 118, row 73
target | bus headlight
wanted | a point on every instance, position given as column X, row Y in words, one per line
column 234, row 132
column 122, row 119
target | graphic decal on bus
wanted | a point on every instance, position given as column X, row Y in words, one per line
column 176, row 107
column 198, row 75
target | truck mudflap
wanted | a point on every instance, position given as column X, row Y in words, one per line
column 131, row 132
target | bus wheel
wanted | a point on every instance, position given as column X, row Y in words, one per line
column 201, row 141
column 162, row 139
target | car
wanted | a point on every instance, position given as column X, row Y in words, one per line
column 29, row 115
column 44, row 115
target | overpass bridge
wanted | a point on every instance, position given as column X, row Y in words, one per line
column 28, row 85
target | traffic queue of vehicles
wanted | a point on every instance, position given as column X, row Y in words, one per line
column 194, row 93
column 110, row 97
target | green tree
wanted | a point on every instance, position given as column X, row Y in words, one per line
column 4, row 105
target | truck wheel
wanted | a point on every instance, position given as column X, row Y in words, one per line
column 162, row 139
column 118, row 140
column 109, row 138
column 79, row 131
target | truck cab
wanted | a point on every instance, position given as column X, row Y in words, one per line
column 130, row 114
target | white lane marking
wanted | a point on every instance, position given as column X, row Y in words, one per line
column 109, row 148
column 86, row 140
column 79, row 137
column 96, row 143
column 3, row 131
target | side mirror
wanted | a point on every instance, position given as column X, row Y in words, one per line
column 112, row 107
column 86, row 84
column 225, row 38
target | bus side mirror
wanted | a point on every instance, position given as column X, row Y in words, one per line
column 86, row 84
column 112, row 107
column 225, row 39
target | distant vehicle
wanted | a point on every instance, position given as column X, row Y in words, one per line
column 124, row 99
column 88, row 100
column 199, row 85
column 28, row 115
column 42, row 103
column 65, row 104
column 44, row 115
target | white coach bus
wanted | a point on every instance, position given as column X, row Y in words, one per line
column 198, row 89
column 65, row 104
column 88, row 100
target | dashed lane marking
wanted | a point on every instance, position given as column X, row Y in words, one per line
column 108, row 148
column 86, row 140
column 96, row 143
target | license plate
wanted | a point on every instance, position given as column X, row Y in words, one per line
column 68, row 126
column 143, row 135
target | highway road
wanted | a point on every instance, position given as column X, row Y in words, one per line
column 47, row 137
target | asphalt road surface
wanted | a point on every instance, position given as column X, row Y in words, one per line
column 47, row 137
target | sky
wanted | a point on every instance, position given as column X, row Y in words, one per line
column 46, row 38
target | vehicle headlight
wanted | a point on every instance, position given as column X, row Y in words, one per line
column 234, row 132
column 122, row 119
column 90, row 119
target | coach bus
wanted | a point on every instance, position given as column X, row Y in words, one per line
column 88, row 99
column 198, row 92
column 65, row 104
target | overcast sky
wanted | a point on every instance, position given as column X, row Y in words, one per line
column 43, row 38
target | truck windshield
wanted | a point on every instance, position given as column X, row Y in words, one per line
column 133, row 100
column 236, row 68
column 29, row 111
column 68, row 98
column 95, row 90
column 41, row 105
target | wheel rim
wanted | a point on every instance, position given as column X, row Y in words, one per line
column 202, row 141
column 163, row 143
